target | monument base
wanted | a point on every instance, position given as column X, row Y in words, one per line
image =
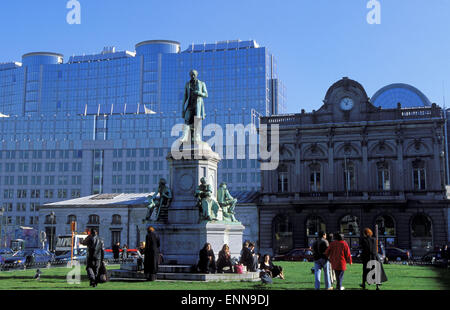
column 181, row 243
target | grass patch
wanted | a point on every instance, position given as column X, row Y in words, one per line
column 298, row 277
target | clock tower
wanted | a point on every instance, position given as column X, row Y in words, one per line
column 346, row 100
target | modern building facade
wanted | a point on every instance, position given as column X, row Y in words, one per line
column 102, row 123
column 354, row 163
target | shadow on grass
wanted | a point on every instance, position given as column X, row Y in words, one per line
column 443, row 276
column 43, row 277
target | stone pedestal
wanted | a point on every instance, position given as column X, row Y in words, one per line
column 181, row 243
column 184, row 234
column 185, row 174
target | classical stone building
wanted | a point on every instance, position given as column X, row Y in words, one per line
column 354, row 164
column 118, row 217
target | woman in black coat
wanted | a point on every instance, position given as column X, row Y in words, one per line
column 224, row 259
column 151, row 254
column 369, row 253
column 207, row 259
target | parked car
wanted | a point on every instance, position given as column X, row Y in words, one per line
column 79, row 256
column 299, row 254
column 397, row 254
column 131, row 253
column 356, row 254
column 29, row 258
column 4, row 254
column 434, row 258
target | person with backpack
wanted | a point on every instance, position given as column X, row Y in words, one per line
column 321, row 261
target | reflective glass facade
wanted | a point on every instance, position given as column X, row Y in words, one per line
column 79, row 127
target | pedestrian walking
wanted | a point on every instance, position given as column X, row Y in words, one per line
column 124, row 252
column 369, row 253
column 94, row 257
column 331, row 273
column 321, row 261
column 151, row 254
column 339, row 255
column 140, row 254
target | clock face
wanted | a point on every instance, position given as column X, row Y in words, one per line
column 347, row 104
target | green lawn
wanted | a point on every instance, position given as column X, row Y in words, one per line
column 298, row 277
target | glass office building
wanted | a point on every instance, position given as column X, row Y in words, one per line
column 102, row 123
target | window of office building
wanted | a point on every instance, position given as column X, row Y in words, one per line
column 48, row 193
column 75, row 193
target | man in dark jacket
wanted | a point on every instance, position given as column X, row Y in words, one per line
column 151, row 254
column 321, row 261
column 94, row 257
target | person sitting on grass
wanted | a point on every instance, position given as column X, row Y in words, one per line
column 270, row 268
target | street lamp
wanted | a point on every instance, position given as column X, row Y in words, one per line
column 52, row 221
column 2, row 210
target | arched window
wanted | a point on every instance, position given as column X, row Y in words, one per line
column 94, row 219
column 386, row 230
column 282, row 234
column 314, row 178
column 421, row 234
column 384, row 176
column 314, row 224
column 116, row 219
column 419, row 174
column 71, row 218
column 349, row 176
column 349, row 226
column 282, row 179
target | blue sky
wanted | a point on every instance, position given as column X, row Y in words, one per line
column 316, row 42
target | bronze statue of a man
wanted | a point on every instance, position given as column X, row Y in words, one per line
column 227, row 202
column 161, row 199
column 208, row 206
column 193, row 106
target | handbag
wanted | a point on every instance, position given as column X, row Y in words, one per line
column 239, row 269
column 102, row 274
